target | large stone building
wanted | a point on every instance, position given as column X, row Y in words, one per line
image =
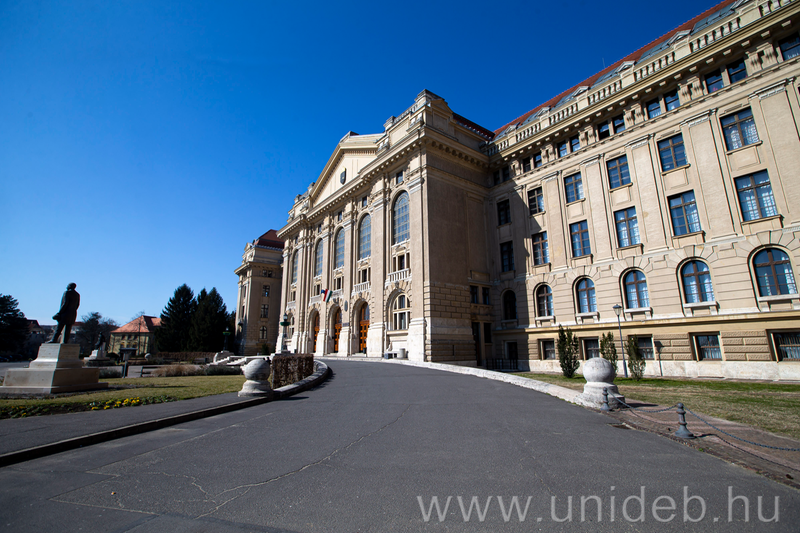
column 258, row 310
column 665, row 186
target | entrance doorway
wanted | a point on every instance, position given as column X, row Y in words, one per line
column 363, row 326
column 337, row 329
column 316, row 332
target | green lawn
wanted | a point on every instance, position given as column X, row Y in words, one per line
column 136, row 391
column 774, row 407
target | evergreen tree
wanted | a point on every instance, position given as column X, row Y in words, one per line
column 567, row 347
column 176, row 321
column 209, row 322
column 13, row 325
column 609, row 350
column 636, row 363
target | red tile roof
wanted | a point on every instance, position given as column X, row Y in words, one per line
column 630, row 57
column 142, row 324
column 270, row 239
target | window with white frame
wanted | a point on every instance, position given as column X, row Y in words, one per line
column 401, row 313
column 400, row 219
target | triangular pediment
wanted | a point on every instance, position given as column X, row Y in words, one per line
column 352, row 154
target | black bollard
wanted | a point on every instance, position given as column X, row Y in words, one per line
column 605, row 400
column 683, row 432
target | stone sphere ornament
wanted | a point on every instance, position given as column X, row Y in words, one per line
column 257, row 374
column 599, row 370
column 599, row 374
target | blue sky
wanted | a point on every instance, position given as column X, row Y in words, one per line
column 143, row 143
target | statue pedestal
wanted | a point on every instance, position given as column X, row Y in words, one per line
column 98, row 358
column 58, row 368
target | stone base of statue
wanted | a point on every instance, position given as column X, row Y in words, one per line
column 257, row 374
column 98, row 358
column 599, row 374
column 58, row 368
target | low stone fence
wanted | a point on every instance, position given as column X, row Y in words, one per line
column 290, row 368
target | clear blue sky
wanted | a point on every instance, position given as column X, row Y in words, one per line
column 143, row 143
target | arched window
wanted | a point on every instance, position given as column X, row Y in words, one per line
column 697, row 283
column 400, row 219
column 544, row 301
column 586, row 299
column 509, row 305
column 636, row 290
column 318, row 260
column 365, row 238
column 401, row 312
column 338, row 249
column 774, row 273
column 294, row 267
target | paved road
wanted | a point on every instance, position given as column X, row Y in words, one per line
column 361, row 452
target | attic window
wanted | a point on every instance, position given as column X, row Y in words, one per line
column 343, row 176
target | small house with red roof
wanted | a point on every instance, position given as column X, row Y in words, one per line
column 136, row 338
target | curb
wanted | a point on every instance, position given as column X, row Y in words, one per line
column 321, row 374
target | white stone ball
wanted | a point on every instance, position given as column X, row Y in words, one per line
column 257, row 370
column 598, row 370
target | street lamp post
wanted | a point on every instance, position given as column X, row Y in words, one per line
column 617, row 311
column 285, row 324
column 226, row 333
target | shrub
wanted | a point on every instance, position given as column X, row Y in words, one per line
column 288, row 369
column 169, row 371
column 608, row 349
column 636, row 362
column 109, row 373
column 567, row 352
column 223, row 370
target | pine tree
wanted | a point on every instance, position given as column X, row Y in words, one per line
column 636, row 363
column 609, row 350
column 209, row 322
column 567, row 347
column 13, row 325
column 176, row 321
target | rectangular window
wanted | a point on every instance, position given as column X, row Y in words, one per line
column 574, row 144
column 549, row 349
column 503, row 212
column 537, row 160
column 627, row 227
column 339, row 216
column 787, row 345
column 645, row 347
column 790, row 47
column 535, row 201
column 737, row 71
column 264, row 311
column 579, row 234
column 708, row 347
column 266, row 290
column 485, row 291
column 755, row 196
column 473, row 294
column 672, row 153
column 713, row 81
column 653, row 108
column 563, row 149
column 603, row 131
column 739, row 129
column 618, row 174
column 506, row 173
column 541, row 255
column 364, row 202
column 619, row 123
column 573, row 187
column 398, row 179
column 683, row 210
column 526, row 164
column 671, row 100
column 487, row 333
column 507, row 256
column 591, row 348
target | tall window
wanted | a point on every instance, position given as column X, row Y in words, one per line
column 790, row 47
column 579, row 235
column 264, row 311
column 683, row 210
column 507, row 256
column 262, row 333
column 526, row 164
column 586, row 298
column 672, row 100
column 535, row 201
column 591, row 347
column 774, row 273
column 473, row 294
column 627, row 227
column 672, row 153
column 697, row 283
column 636, row 294
column 401, row 312
column 653, row 108
column 503, row 212
column 541, row 255
column 739, row 129
column 618, row 123
column 755, row 196
column 787, row 345
column 509, row 305
column 265, row 290
column 400, row 231
column 318, row 260
column 573, row 187
column 714, row 81
column 737, row 71
column 294, row 267
column 537, row 160
column 618, row 174
column 548, row 349
column 544, row 301
column 365, row 238
column 398, row 178
column 338, row 249
column 485, row 295
column 708, row 347
column 574, row 144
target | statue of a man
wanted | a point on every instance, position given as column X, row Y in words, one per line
column 67, row 314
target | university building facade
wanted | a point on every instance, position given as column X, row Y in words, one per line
column 665, row 186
